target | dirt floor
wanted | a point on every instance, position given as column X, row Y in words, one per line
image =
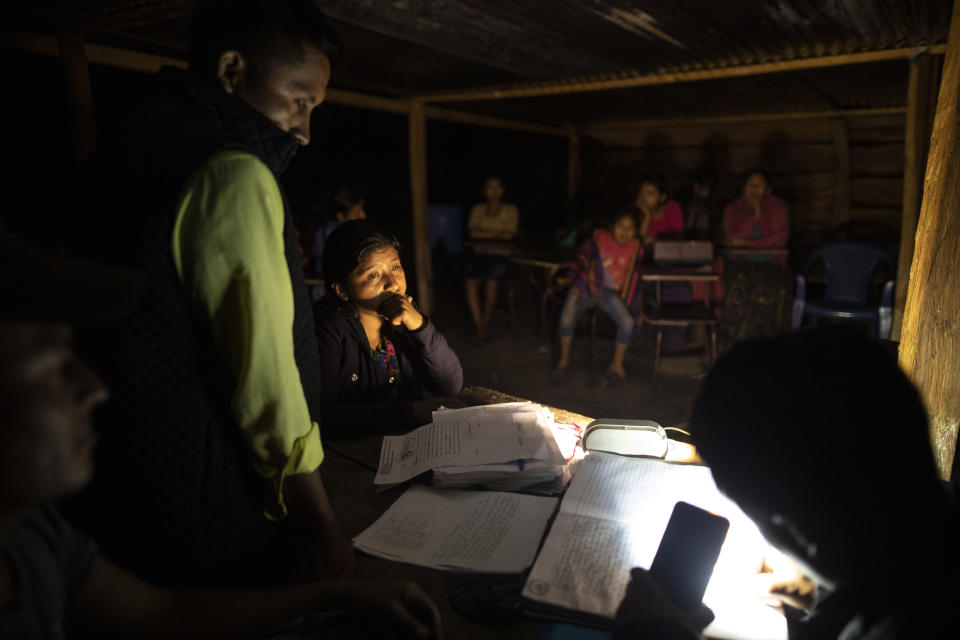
column 519, row 362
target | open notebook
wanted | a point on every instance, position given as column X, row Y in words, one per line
column 612, row 518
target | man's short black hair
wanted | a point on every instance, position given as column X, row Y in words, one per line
column 812, row 419
column 267, row 33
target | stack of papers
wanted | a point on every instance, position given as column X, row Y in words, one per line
column 505, row 447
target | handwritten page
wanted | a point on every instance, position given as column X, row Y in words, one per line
column 483, row 531
column 612, row 519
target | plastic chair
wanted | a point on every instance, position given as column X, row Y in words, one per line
column 849, row 269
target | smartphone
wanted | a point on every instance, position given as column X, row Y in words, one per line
column 687, row 554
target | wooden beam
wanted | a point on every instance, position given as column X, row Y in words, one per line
column 463, row 117
column 76, row 71
column 574, row 176
column 367, row 101
column 96, row 53
column 746, row 117
column 673, row 77
column 418, row 194
column 930, row 339
column 841, row 197
column 916, row 142
column 150, row 63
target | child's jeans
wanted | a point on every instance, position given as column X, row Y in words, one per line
column 608, row 300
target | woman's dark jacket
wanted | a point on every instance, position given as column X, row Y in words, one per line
column 359, row 396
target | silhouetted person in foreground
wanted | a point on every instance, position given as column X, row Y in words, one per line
column 823, row 442
column 54, row 581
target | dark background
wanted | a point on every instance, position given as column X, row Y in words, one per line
column 364, row 149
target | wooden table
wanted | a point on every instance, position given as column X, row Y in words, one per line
column 680, row 315
column 348, row 472
column 539, row 269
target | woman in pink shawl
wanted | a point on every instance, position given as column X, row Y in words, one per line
column 758, row 289
column 757, row 219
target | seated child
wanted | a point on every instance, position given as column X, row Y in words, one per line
column 385, row 367
column 604, row 278
column 53, row 579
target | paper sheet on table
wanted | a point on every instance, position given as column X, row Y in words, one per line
column 484, row 531
column 466, row 437
column 612, row 519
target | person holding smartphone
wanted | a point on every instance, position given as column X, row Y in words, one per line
column 823, row 441
column 385, row 366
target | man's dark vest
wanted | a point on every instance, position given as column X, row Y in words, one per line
column 175, row 497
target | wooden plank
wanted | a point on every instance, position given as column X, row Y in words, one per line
column 876, row 159
column 366, row 101
column 914, row 157
column 716, row 136
column 747, row 117
column 930, row 338
column 464, row 117
column 83, row 129
column 841, row 194
column 673, row 77
column 877, row 191
column 735, row 160
column 418, row 192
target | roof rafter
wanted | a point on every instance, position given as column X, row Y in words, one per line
column 624, row 81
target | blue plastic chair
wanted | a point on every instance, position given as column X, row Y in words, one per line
column 849, row 267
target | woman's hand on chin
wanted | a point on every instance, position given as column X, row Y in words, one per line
column 399, row 310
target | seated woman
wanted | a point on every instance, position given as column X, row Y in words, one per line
column 385, row 367
column 655, row 213
column 605, row 277
column 492, row 226
column 757, row 288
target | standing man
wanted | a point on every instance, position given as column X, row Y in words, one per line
column 210, row 448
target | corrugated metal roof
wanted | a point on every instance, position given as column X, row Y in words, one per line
column 409, row 47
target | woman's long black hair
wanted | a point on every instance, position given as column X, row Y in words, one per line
column 348, row 245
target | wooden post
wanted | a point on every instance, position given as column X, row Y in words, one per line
column 418, row 193
column 916, row 142
column 930, row 339
column 841, row 145
column 573, row 174
column 83, row 131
